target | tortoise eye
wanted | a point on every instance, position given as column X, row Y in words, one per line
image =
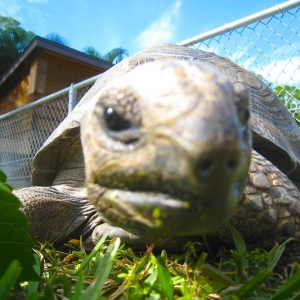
column 246, row 116
column 114, row 121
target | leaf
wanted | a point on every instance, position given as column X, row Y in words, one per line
column 86, row 260
column 93, row 292
column 274, row 255
column 115, row 55
column 164, row 277
column 9, row 279
column 15, row 242
column 55, row 37
column 217, row 275
column 239, row 245
column 253, row 284
column 67, row 287
column 33, row 285
column 237, row 238
column 3, row 177
column 48, row 291
column 200, row 261
column 79, row 286
column 290, row 286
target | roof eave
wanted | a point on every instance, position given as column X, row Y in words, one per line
column 39, row 44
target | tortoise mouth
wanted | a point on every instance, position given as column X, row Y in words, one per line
column 161, row 213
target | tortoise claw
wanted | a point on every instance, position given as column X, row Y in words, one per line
column 136, row 238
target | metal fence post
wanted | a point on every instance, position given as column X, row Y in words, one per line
column 72, row 98
column 268, row 47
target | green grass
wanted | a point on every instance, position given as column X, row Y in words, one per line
column 114, row 271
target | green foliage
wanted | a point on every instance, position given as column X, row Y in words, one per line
column 9, row 279
column 13, row 40
column 287, row 92
column 112, row 272
column 114, row 56
column 289, row 95
column 16, row 244
column 55, row 37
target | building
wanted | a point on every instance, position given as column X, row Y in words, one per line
column 43, row 68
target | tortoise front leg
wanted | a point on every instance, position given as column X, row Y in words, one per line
column 138, row 239
column 58, row 213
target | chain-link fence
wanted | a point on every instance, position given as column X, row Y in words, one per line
column 23, row 132
column 266, row 44
column 268, row 47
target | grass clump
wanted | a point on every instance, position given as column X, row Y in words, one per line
column 113, row 271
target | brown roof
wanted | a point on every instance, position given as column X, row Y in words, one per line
column 38, row 45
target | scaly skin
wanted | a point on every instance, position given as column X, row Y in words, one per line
column 169, row 170
column 262, row 216
column 170, row 160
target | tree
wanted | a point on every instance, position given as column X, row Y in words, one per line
column 55, row 37
column 114, row 56
column 13, row 40
column 289, row 95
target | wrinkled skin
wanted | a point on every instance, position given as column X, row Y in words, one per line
column 167, row 171
column 166, row 157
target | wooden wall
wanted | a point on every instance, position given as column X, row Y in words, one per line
column 48, row 73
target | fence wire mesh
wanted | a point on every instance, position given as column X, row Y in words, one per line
column 82, row 91
column 21, row 136
column 269, row 48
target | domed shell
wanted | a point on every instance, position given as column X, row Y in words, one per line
column 275, row 133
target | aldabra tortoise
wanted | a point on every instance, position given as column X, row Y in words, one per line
column 167, row 145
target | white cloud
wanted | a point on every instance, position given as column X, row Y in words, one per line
column 161, row 30
column 12, row 9
column 274, row 69
column 283, row 71
column 16, row 8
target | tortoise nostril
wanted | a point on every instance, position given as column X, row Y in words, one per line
column 232, row 164
column 212, row 165
column 205, row 167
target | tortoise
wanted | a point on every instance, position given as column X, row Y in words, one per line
column 170, row 144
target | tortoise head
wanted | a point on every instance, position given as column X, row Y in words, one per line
column 167, row 148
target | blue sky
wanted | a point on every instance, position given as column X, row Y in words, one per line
column 133, row 24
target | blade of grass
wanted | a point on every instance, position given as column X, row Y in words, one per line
column 237, row 238
column 48, row 291
column 164, row 278
column 37, row 296
column 200, row 261
column 86, row 260
column 217, row 275
column 251, row 286
column 67, row 287
column 274, row 256
column 239, row 245
column 290, row 286
column 9, row 278
column 33, row 285
column 152, row 277
column 94, row 291
column 79, row 286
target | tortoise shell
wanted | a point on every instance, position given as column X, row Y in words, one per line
column 275, row 133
